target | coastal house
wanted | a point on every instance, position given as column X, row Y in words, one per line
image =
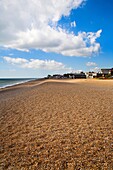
column 68, row 76
column 112, row 72
column 105, row 72
column 75, row 75
column 91, row 74
column 81, row 75
column 99, row 74
column 57, row 76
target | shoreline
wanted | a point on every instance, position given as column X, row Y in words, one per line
column 20, row 84
column 35, row 82
column 14, row 84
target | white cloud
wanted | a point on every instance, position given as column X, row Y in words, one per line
column 93, row 36
column 96, row 69
column 37, row 64
column 89, row 64
column 73, row 24
column 33, row 24
column 15, row 60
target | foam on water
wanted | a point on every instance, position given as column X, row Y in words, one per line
column 11, row 82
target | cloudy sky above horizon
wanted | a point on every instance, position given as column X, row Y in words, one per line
column 41, row 37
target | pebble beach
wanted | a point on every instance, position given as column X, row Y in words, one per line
column 57, row 125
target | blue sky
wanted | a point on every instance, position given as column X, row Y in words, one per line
column 49, row 37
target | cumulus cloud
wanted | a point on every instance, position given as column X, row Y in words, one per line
column 15, row 60
column 33, row 24
column 73, row 24
column 89, row 64
column 36, row 63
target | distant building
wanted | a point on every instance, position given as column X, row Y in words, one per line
column 105, row 72
column 68, row 75
column 99, row 75
column 80, row 75
column 75, row 75
column 112, row 72
column 57, row 76
column 91, row 74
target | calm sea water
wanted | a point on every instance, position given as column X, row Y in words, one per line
column 5, row 82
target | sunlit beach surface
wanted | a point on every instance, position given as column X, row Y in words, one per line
column 57, row 125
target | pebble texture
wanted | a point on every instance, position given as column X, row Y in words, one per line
column 57, row 126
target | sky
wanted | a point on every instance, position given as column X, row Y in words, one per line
column 41, row 37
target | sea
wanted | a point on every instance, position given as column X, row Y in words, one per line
column 6, row 82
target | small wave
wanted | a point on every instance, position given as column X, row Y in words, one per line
column 16, row 83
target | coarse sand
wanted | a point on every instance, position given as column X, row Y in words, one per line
column 57, row 125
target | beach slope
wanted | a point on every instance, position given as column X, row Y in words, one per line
column 57, row 125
